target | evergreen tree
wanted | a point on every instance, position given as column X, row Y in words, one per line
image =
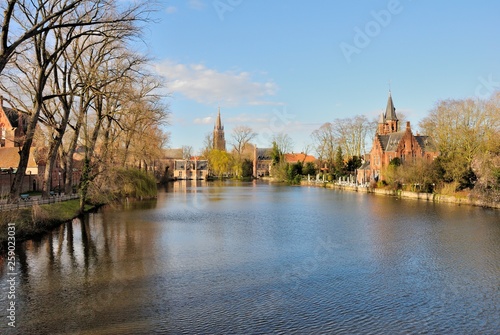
column 340, row 168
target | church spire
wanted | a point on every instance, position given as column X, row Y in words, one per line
column 218, row 122
column 219, row 141
column 391, row 120
column 390, row 111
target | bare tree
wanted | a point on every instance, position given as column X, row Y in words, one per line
column 352, row 134
column 187, row 151
column 43, row 24
column 325, row 144
column 461, row 130
column 208, row 145
column 241, row 136
column 32, row 18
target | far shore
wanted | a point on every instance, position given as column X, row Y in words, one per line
column 434, row 197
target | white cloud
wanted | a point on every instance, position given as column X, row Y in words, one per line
column 171, row 9
column 205, row 120
column 196, row 4
column 208, row 86
column 247, row 119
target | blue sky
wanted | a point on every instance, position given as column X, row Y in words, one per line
column 294, row 65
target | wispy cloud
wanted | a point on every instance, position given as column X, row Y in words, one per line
column 196, row 4
column 204, row 120
column 171, row 9
column 209, row 86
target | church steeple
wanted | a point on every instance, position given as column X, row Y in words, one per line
column 390, row 111
column 390, row 118
column 219, row 142
column 218, row 122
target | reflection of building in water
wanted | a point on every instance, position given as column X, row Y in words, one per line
column 190, row 169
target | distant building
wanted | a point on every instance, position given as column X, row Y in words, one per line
column 190, row 169
column 219, row 142
column 168, row 161
column 13, row 127
column 390, row 142
column 262, row 162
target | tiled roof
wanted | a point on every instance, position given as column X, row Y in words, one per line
column 391, row 141
column 13, row 117
column 173, row 153
column 294, row 158
column 9, row 158
column 426, row 143
column 264, row 154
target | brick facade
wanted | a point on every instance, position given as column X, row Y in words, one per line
column 390, row 142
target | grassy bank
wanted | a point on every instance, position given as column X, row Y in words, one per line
column 38, row 219
column 457, row 198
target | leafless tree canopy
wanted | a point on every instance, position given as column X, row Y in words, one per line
column 66, row 64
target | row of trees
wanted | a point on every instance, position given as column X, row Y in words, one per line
column 343, row 140
column 68, row 66
column 465, row 132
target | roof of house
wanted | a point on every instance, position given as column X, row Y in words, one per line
column 301, row 157
column 9, row 158
column 426, row 143
column 365, row 166
column 264, row 154
column 390, row 141
column 14, row 117
column 173, row 153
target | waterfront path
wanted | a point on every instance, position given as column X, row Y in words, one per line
column 36, row 200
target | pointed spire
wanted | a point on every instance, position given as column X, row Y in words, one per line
column 218, row 122
column 390, row 111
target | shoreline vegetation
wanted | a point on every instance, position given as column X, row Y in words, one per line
column 457, row 199
column 37, row 220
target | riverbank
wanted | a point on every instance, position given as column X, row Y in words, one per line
column 434, row 197
column 38, row 219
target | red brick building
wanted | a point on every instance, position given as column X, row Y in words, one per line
column 392, row 142
column 13, row 127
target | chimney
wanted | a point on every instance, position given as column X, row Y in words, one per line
column 408, row 125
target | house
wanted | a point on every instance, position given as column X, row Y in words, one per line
column 9, row 161
column 190, row 169
column 391, row 142
column 168, row 160
column 363, row 173
column 13, row 127
column 262, row 162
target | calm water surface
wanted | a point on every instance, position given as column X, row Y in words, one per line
column 253, row 258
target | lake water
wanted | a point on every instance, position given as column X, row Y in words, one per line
column 253, row 258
